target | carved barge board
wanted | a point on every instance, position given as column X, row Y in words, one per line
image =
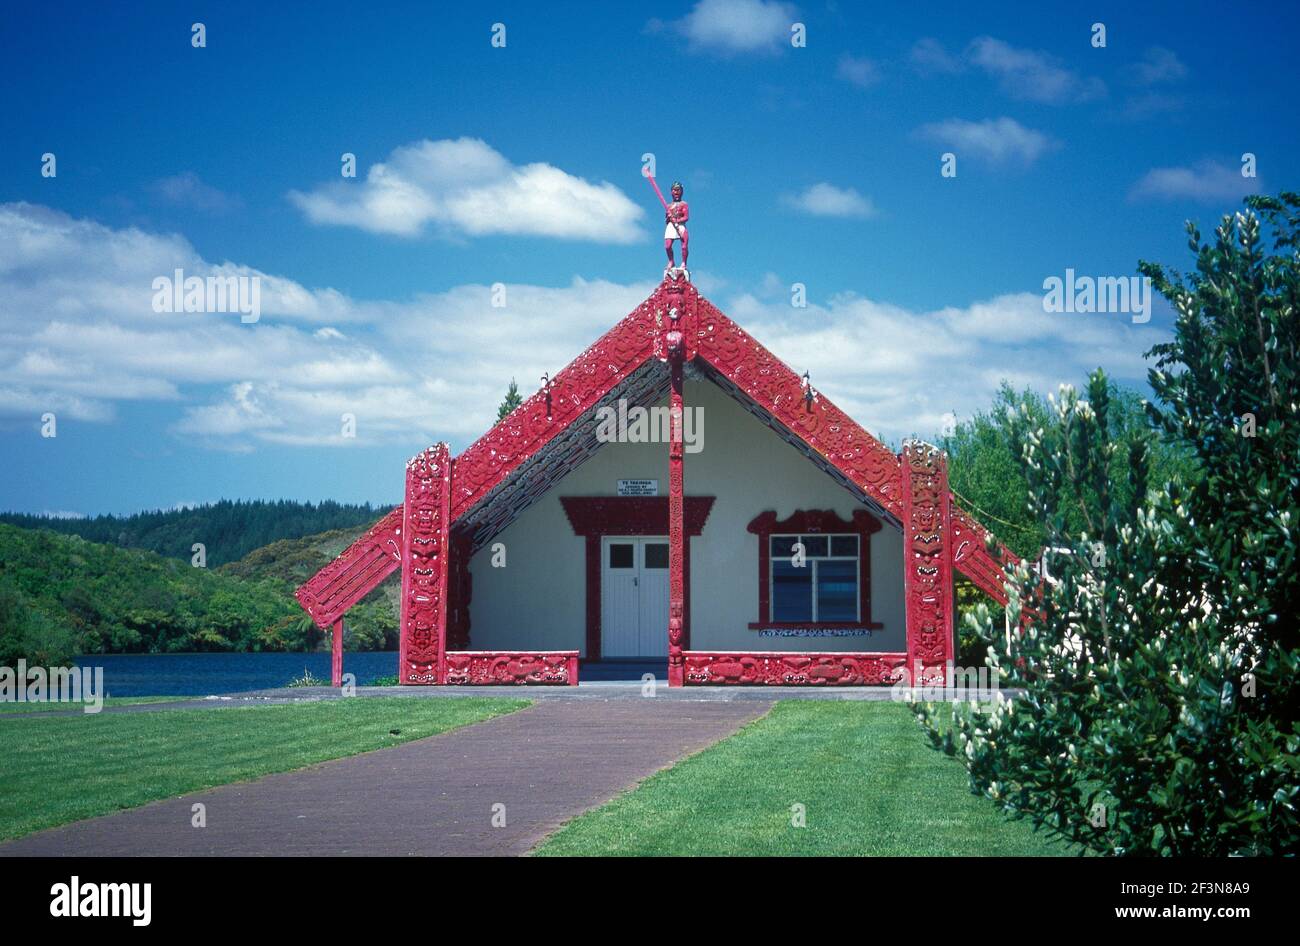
column 328, row 594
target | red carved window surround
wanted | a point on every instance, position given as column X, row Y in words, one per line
column 813, row 522
column 596, row 516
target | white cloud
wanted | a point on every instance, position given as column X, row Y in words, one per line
column 929, row 56
column 901, row 372
column 74, row 339
column 187, row 190
column 1157, row 66
column 858, row 70
column 1031, row 75
column 827, row 200
column 996, row 140
column 1207, row 181
column 1150, row 80
column 735, row 26
column 463, row 187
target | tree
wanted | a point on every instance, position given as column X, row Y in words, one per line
column 988, row 479
column 512, row 400
column 27, row 633
column 1160, row 659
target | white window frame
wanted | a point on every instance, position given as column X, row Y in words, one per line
column 811, row 561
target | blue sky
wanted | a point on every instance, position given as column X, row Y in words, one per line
column 521, row 165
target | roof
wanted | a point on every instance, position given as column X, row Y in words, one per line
column 552, row 432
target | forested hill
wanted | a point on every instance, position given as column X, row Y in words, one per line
column 61, row 595
column 228, row 529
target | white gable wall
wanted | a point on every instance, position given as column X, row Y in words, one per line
column 538, row 601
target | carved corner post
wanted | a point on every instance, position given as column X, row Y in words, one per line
column 336, row 655
column 426, row 547
column 927, row 565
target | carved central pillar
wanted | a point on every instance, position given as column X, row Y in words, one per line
column 676, row 529
column 426, row 543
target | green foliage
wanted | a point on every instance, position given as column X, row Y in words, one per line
column 1160, row 661
column 988, row 478
column 228, row 530
column 512, row 400
column 61, row 595
column 371, row 624
column 27, row 632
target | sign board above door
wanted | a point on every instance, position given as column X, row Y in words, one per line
column 638, row 487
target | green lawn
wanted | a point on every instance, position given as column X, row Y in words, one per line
column 79, row 707
column 59, row 769
column 868, row 781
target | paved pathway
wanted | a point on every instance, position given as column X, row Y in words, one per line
column 433, row 796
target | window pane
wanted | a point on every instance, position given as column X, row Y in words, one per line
column 783, row 546
column 814, row 545
column 844, row 545
column 620, row 555
column 837, row 590
column 656, row 555
column 791, row 591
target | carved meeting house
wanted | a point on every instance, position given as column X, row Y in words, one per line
column 792, row 549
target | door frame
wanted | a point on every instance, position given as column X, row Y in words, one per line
column 639, row 543
column 594, row 517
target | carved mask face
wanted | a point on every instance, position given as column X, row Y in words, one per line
column 677, row 192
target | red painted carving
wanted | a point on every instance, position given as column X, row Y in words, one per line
column 807, row 522
column 487, row 668
column 927, row 564
column 676, row 529
column 783, row 668
column 596, row 516
column 328, row 594
column 426, row 543
column 971, row 555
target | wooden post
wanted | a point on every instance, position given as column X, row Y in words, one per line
column 426, row 547
column 927, row 564
column 676, row 529
column 336, row 655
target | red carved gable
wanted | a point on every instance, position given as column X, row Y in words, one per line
column 732, row 358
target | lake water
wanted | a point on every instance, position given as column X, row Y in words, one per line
column 208, row 674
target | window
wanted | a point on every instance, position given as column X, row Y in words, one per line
column 814, row 578
column 828, row 584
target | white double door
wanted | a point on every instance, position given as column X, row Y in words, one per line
column 634, row 596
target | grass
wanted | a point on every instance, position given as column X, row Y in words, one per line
column 868, row 781
column 61, row 769
column 79, row 707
